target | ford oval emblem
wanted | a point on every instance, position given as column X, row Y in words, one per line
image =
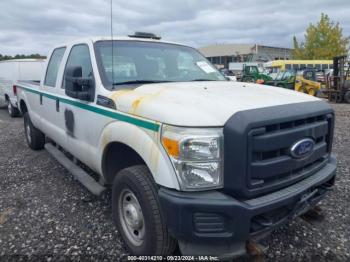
column 302, row 148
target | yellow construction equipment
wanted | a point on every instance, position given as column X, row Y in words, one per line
column 306, row 82
column 302, row 81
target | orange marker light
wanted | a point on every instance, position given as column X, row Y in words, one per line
column 171, row 146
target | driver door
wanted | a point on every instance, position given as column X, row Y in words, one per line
column 81, row 124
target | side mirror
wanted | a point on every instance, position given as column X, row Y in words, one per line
column 77, row 86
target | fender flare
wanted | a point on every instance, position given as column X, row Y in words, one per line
column 146, row 144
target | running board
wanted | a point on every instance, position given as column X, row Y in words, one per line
column 84, row 178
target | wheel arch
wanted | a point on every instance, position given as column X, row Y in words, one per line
column 131, row 145
column 23, row 106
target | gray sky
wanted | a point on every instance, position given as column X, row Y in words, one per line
column 34, row 26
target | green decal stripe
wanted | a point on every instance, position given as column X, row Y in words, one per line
column 114, row 115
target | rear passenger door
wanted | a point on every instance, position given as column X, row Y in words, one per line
column 49, row 102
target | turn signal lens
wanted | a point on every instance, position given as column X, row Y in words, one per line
column 171, row 146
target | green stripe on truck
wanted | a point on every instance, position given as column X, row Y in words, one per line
column 114, row 115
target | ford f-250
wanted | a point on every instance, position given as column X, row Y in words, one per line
column 192, row 159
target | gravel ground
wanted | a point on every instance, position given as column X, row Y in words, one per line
column 45, row 215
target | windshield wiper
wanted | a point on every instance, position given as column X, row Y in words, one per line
column 200, row 79
column 140, row 82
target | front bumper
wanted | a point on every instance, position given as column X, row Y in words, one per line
column 214, row 218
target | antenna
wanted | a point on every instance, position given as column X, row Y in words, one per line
column 112, row 43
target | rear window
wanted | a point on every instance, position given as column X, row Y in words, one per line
column 53, row 66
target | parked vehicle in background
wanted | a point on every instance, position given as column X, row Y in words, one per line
column 306, row 82
column 12, row 71
column 252, row 74
column 284, row 79
column 237, row 68
column 302, row 81
column 338, row 82
column 321, row 77
column 193, row 160
column 282, row 65
column 228, row 74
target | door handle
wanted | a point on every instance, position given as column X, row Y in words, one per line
column 57, row 105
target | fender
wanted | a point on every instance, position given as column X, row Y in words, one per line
column 23, row 96
column 146, row 144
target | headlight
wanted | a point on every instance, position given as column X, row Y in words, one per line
column 196, row 154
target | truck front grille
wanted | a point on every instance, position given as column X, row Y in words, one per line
column 269, row 161
column 257, row 144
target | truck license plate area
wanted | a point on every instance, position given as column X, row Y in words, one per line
column 269, row 220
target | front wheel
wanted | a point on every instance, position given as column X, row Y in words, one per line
column 312, row 92
column 136, row 212
column 35, row 138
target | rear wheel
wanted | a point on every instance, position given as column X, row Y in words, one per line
column 136, row 212
column 35, row 138
column 347, row 97
column 13, row 111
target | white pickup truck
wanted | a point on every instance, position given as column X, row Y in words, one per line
column 193, row 160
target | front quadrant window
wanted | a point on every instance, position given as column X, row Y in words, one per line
column 137, row 61
column 54, row 65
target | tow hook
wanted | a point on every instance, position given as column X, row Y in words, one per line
column 313, row 215
column 255, row 249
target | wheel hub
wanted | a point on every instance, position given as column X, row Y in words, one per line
column 131, row 217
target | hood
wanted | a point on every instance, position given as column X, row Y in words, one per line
column 201, row 103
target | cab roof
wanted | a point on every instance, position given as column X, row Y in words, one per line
column 95, row 39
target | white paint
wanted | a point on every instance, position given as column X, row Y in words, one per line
column 204, row 103
column 12, row 71
column 196, row 104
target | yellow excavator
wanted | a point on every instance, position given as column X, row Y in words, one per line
column 305, row 82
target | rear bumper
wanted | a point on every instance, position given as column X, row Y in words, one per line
column 215, row 218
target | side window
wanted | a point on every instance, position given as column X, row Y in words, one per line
column 80, row 56
column 53, row 66
column 295, row 67
column 324, row 66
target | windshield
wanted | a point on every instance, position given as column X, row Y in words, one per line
column 150, row 62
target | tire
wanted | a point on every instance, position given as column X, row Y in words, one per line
column 347, row 97
column 248, row 80
column 13, row 111
column 135, row 199
column 312, row 92
column 35, row 138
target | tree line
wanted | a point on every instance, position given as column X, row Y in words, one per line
column 20, row 56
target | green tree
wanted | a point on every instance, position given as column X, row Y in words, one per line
column 324, row 40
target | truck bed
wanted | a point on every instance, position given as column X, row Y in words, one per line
column 30, row 83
